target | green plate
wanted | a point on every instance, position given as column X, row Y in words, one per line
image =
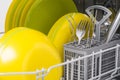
column 44, row 13
column 10, row 14
column 25, row 11
column 18, row 12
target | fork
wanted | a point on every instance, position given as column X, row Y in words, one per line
column 80, row 30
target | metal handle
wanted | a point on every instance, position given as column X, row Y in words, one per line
column 114, row 27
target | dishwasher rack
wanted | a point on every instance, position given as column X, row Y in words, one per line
column 108, row 75
column 97, row 62
column 101, row 62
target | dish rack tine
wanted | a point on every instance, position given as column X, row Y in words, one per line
column 70, row 62
column 72, row 69
column 67, row 71
column 116, row 60
column 92, row 72
column 79, row 69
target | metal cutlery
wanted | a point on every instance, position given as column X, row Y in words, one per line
column 81, row 30
column 114, row 27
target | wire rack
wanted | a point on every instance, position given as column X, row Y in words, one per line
column 97, row 62
column 100, row 62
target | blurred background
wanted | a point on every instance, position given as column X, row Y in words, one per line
column 83, row 4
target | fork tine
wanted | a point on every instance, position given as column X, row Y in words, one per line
column 84, row 25
column 81, row 29
column 80, row 23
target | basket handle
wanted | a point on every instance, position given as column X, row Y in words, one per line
column 105, row 17
column 100, row 22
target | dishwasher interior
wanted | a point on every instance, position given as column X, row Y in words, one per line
column 97, row 61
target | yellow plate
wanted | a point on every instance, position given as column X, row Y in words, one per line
column 25, row 11
column 63, row 31
column 18, row 12
column 43, row 13
column 10, row 14
column 24, row 50
column 112, row 17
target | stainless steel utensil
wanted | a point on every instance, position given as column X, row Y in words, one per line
column 114, row 27
column 80, row 30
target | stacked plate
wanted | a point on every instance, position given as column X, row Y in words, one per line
column 37, row 14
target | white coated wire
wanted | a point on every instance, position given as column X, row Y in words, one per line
column 46, row 71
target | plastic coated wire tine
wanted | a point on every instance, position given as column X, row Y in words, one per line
column 79, row 69
column 67, row 71
column 74, row 23
column 71, row 26
column 72, row 69
column 88, row 35
column 72, row 17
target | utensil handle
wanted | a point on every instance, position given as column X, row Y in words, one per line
column 114, row 27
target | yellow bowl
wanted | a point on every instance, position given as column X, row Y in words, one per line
column 23, row 49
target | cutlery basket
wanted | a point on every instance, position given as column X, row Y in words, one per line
column 93, row 66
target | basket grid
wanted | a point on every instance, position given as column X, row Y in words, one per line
column 102, row 63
